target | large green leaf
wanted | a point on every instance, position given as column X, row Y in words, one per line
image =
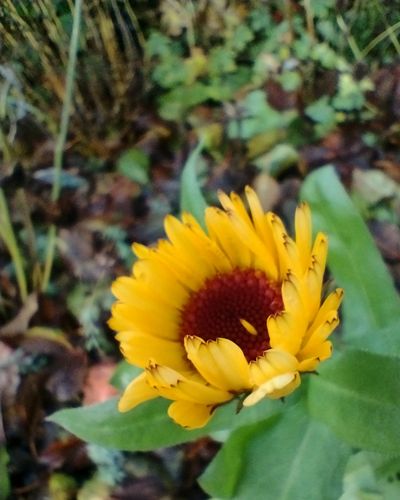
column 192, row 199
column 148, row 426
column 371, row 302
column 283, row 458
column 358, row 396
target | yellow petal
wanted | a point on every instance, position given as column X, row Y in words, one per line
column 251, row 239
column 320, row 249
column 160, row 281
column 138, row 348
column 313, row 279
column 319, row 336
column 181, row 238
column 303, row 233
column 272, row 363
column 293, row 301
column 234, row 204
column 167, row 257
column 275, row 388
column 324, row 351
column 153, row 321
column 281, row 239
column 205, row 245
column 141, row 292
column 331, row 303
column 136, row 392
column 173, row 385
column 190, row 415
column 220, row 362
column 223, row 232
column 284, row 332
column 261, row 224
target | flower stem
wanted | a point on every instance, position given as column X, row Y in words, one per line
column 62, row 137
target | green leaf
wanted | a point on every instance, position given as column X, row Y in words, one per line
column 148, row 426
column 192, row 199
column 279, row 159
column 230, row 461
column 369, row 474
column 4, row 477
column 134, row 164
column 371, row 303
column 259, row 117
column 358, row 396
column 288, row 456
column 321, row 111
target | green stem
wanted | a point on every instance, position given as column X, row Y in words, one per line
column 67, row 104
column 7, row 234
column 62, row 136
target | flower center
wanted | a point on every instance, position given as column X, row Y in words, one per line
column 235, row 306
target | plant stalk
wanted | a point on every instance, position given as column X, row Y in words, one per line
column 62, row 136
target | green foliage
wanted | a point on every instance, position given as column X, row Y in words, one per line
column 373, row 474
column 134, row 164
column 87, row 304
column 289, row 456
column 192, row 199
column 358, row 396
column 249, row 47
column 258, row 117
column 148, row 427
column 371, row 303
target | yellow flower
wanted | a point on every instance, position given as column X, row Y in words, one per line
column 234, row 311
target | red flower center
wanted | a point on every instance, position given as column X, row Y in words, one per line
column 235, row 306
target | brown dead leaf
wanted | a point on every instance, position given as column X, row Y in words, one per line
column 390, row 166
column 69, row 453
column 268, row 190
column 97, row 387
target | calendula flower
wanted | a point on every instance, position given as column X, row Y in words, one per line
column 231, row 312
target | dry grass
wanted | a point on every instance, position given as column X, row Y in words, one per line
column 108, row 81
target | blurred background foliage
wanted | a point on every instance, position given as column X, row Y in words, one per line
column 250, row 63
column 271, row 89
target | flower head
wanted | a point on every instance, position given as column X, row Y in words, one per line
column 234, row 311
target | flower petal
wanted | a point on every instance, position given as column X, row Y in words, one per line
column 138, row 391
column 163, row 324
column 331, row 303
column 275, row 388
column 138, row 348
column 284, row 332
column 303, row 233
column 173, row 385
column 221, row 362
column 223, row 232
column 319, row 336
column 324, row 351
column 274, row 362
column 293, row 300
column 261, row 225
column 190, row 415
